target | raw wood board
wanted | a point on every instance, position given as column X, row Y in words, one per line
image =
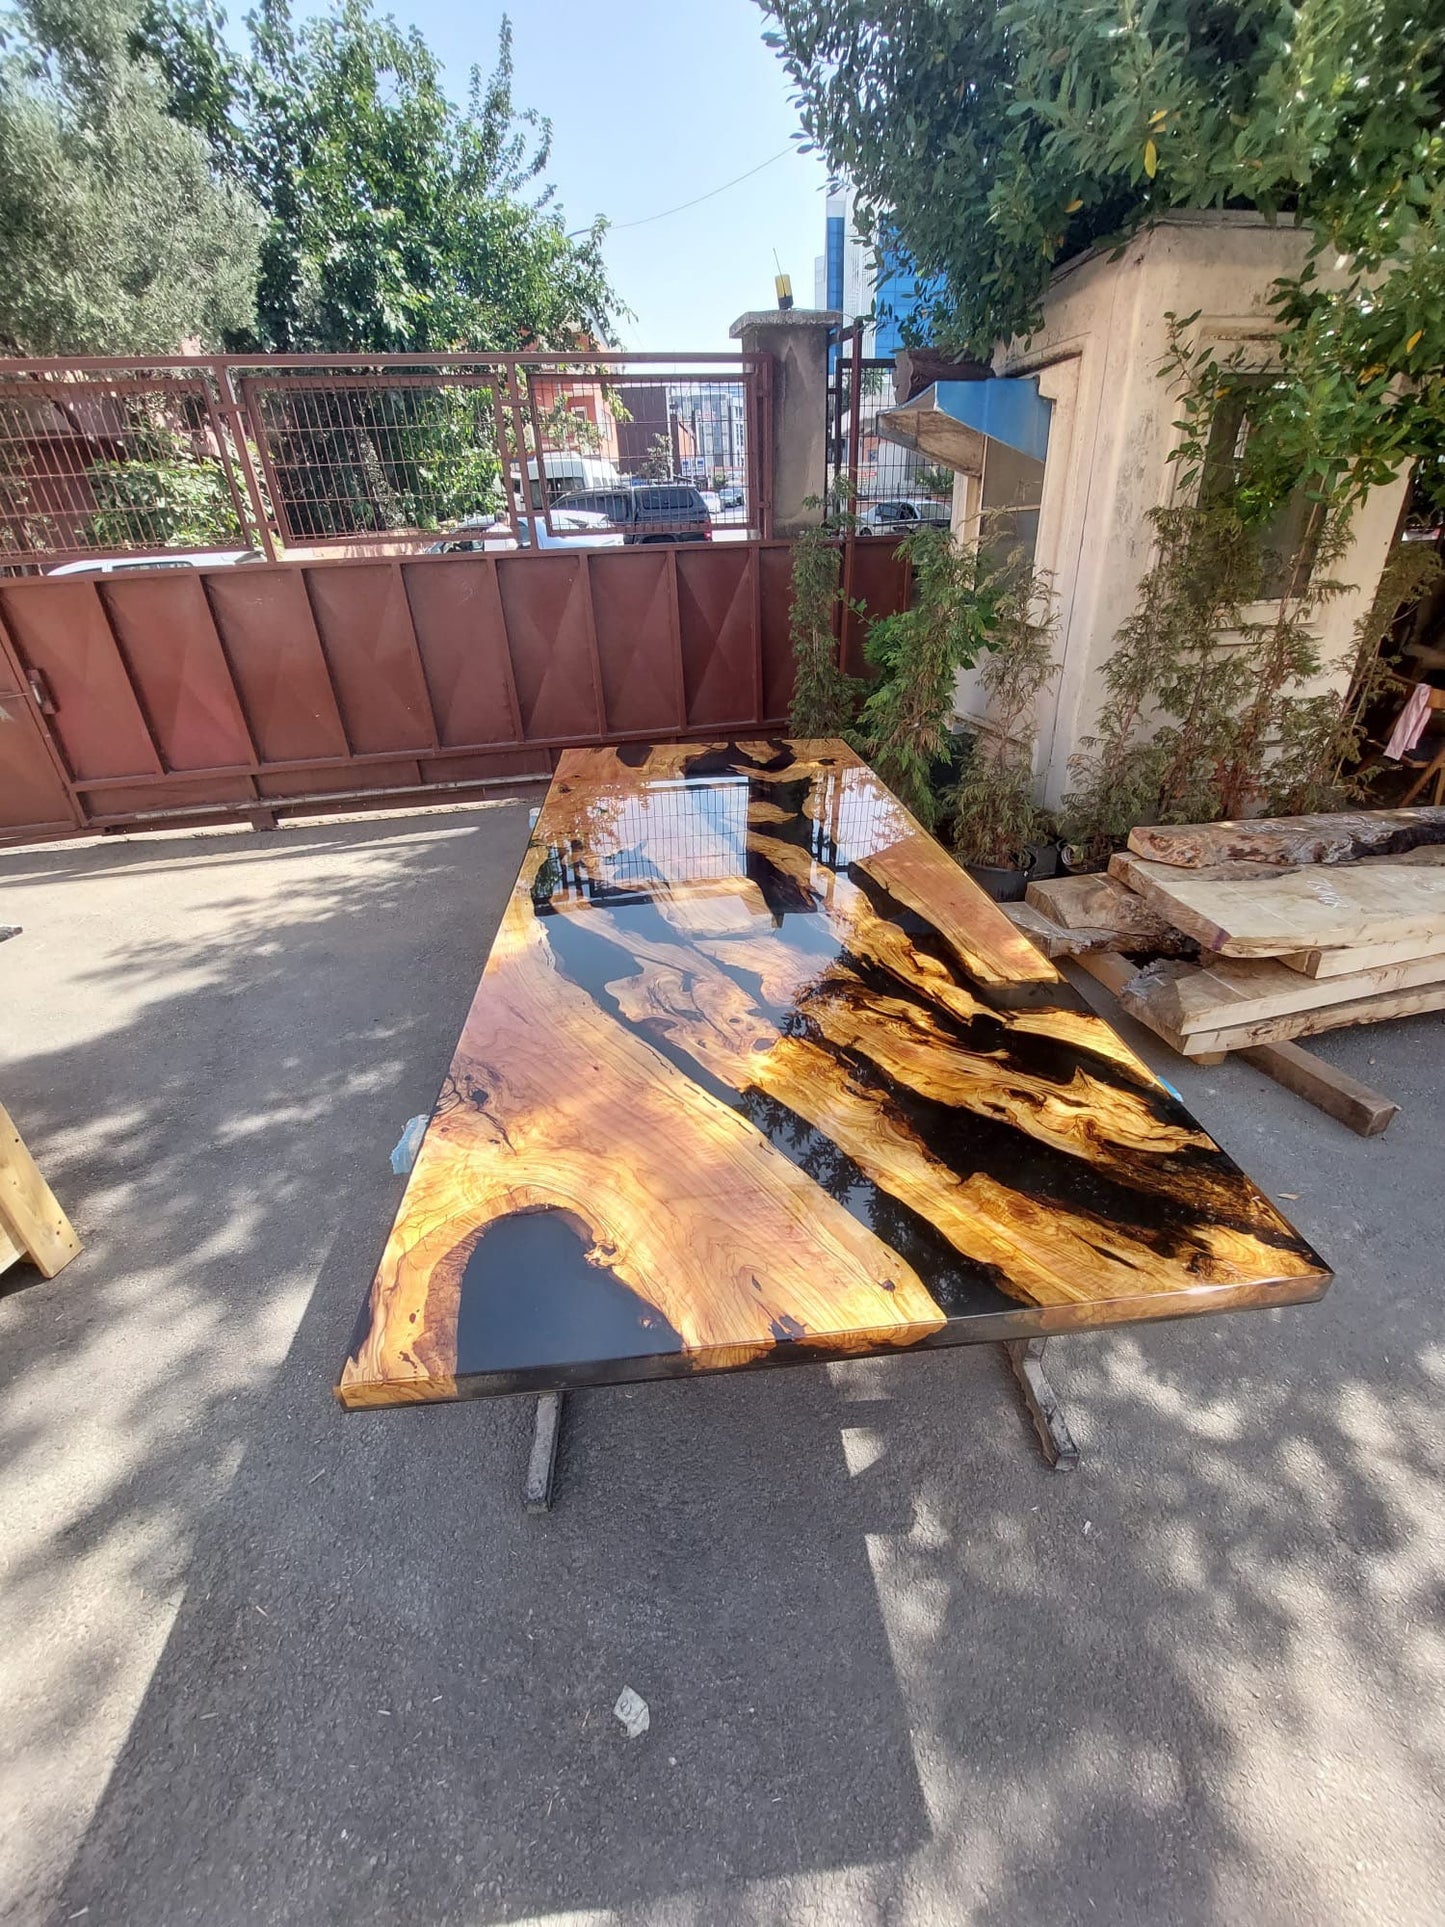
column 1051, row 937
column 1308, row 1023
column 1266, row 1030
column 1055, row 941
column 1334, row 838
column 1322, row 907
column 32, row 1223
column 1365, row 1111
column 1238, row 990
column 1096, row 902
column 1356, row 957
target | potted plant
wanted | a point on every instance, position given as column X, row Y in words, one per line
column 996, row 824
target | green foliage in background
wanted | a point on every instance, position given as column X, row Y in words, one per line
column 163, row 505
column 953, row 616
column 1000, row 140
column 825, row 700
column 116, row 233
column 394, row 220
column 993, row 817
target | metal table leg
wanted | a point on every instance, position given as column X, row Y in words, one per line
column 1026, row 1357
column 542, row 1463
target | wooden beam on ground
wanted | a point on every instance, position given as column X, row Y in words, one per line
column 1334, row 838
column 1321, row 907
column 1354, row 1104
column 32, row 1224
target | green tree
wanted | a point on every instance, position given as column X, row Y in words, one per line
column 396, row 221
column 116, row 234
column 1000, row 140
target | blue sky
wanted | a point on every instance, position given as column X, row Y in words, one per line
column 655, row 102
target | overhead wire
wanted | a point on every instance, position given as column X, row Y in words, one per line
column 617, row 227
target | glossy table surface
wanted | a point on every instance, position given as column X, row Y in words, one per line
column 756, row 1075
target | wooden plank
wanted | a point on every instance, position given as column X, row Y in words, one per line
column 1334, row 838
column 1355, row 957
column 1342, row 1096
column 1363, row 1110
column 1308, row 1023
column 29, row 1214
column 1321, row 907
column 1112, row 972
column 1124, row 867
column 10, row 1249
column 1237, row 990
column 1055, row 941
column 1098, row 902
column 1116, row 974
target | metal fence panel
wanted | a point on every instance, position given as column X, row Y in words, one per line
column 109, row 457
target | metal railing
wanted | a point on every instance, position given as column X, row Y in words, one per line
column 879, row 477
column 110, row 457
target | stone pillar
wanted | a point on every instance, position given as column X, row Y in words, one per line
column 797, row 340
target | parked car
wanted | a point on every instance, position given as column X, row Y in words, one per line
column 731, row 497
column 486, row 534
column 900, row 514
column 201, row 559
column 647, row 511
column 712, row 502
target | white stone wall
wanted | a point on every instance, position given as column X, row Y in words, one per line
column 1098, row 357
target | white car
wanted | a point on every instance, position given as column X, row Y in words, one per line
column 202, row 559
column 571, row 529
column 901, row 514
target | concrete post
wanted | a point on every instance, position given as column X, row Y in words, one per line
column 797, row 339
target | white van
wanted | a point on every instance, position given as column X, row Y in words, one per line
column 566, row 472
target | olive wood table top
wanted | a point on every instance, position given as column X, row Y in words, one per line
column 756, row 1075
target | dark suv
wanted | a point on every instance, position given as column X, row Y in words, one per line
column 647, row 511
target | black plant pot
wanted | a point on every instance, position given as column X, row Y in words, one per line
column 1045, row 862
column 1002, row 884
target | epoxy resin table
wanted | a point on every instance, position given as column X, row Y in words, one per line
column 756, row 1075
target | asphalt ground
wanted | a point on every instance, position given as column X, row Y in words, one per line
column 263, row 1661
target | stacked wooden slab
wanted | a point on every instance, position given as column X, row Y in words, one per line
column 1303, row 924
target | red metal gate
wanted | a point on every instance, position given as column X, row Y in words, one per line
column 194, row 693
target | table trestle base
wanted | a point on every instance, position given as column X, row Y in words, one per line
column 1026, row 1358
column 542, row 1460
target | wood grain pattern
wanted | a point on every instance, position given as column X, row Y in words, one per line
column 1317, row 906
column 1335, row 838
column 32, row 1224
column 1363, row 956
column 1226, row 991
column 755, row 1074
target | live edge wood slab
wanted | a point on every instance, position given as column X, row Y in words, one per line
column 755, row 1075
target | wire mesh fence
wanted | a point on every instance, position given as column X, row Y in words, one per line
column 107, row 462
column 894, row 488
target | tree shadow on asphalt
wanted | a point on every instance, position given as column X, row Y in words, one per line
column 879, row 1641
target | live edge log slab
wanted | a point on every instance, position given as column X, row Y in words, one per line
column 755, row 1075
column 1337, row 838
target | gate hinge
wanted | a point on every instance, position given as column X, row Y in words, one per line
column 40, row 690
